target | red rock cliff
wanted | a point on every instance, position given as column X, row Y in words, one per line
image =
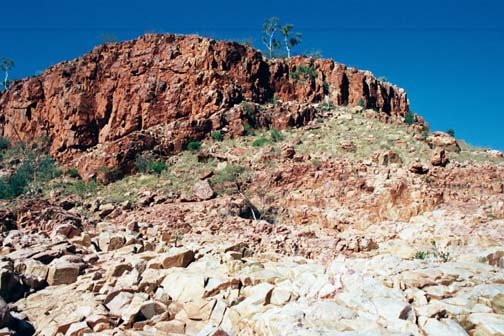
column 160, row 91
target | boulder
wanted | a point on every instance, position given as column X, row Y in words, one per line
column 149, row 309
column 62, row 271
column 280, row 296
column 128, row 306
column 215, row 285
column 439, row 157
column 151, row 279
column 199, row 309
column 78, row 329
column 66, row 230
column 288, row 151
column 418, row 168
column 259, row 294
column 498, row 303
column 108, row 241
column 203, row 190
column 106, row 209
column 184, row 285
column 118, row 269
column 34, row 273
column 170, row 327
column 442, row 327
column 443, row 140
column 348, row 145
column 487, row 324
column 176, row 257
column 387, row 158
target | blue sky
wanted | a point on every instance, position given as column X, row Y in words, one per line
column 447, row 54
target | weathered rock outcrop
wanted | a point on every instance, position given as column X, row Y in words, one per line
column 161, row 91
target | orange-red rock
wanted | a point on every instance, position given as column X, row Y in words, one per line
column 159, row 92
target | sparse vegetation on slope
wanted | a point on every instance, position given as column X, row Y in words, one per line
column 182, row 171
column 34, row 169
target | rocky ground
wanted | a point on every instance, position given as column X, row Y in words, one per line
column 205, row 190
column 359, row 243
column 430, row 276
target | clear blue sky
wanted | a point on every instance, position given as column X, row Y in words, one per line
column 447, row 54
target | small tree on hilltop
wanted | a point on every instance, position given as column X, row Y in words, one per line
column 290, row 41
column 451, row 132
column 270, row 27
column 5, row 65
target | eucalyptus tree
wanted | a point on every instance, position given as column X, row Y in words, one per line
column 270, row 27
column 6, row 64
column 290, row 39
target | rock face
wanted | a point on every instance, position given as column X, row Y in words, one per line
column 161, row 91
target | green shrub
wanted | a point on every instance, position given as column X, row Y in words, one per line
column 409, row 118
column 422, row 255
column 4, row 143
column 14, row 186
column 145, row 164
column 361, row 103
column 4, row 190
column 436, row 253
column 34, row 168
column 142, row 163
column 72, row 172
column 259, row 142
column 157, row 167
column 194, row 146
column 249, row 130
column 450, row 132
column 217, row 135
column 304, row 72
column 276, row 135
column 47, row 169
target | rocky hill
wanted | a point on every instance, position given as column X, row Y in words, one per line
column 220, row 193
column 162, row 91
